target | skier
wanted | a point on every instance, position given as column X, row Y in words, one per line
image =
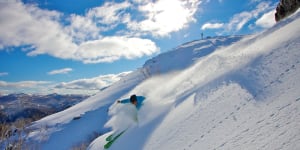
column 137, row 101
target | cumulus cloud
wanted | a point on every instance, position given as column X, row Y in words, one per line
column 3, row 74
column 26, row 24
column 212, row 26
column 96, row 20
column 95, row 83
column 109, row 13
column 113, row 48
column 163, row 17
column 79, row 37
column 267, row 20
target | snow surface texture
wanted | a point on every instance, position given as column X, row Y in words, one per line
column 241, row 94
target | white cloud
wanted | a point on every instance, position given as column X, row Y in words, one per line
column 96, row 83
column 212, row 26
column 165, row 16
column 28, row 25
column 238, row 21
column 110, row 49
column 25, row 24
column 255, row 1
column 141, row 1
column 31, row 87
column 82, row 29
column 60, row 71
column 96, row 20
column 267, row 20
column 3, row 74
column 22, row 84
column 80, row 86
column 109, row 13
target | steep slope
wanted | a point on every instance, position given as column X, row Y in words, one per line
column 245, row 95
column 254, row 106
column 77, row 124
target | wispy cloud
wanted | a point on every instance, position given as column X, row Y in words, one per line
column 80, row 86
column 22, row 84
column 212, row 26
column 240, row 20
column 3, row 74
column 38, row 87
column 255, row 1
column 60, row 71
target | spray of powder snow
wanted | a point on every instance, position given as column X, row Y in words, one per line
column 123, row 116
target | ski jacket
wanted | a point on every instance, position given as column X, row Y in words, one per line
column 139, row 104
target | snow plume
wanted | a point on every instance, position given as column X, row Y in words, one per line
column 159, row 97
column 158, row 101
column 123, row 117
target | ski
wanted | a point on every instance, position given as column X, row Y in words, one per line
column 111, row 139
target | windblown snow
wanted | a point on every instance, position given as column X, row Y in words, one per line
column 234, row 92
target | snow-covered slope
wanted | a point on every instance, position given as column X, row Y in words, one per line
column 185, row 55
column 241, row 94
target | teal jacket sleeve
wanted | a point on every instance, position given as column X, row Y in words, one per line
column 125, row 101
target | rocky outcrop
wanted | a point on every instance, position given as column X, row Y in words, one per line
column 286, row 8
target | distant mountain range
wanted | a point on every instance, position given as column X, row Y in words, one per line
column 15, row 106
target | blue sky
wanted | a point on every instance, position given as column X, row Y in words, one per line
column 81, row 46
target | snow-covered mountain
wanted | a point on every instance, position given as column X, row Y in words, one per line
column 238, row 92
column 20, row 105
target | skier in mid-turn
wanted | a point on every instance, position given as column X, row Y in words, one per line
column 134, row 104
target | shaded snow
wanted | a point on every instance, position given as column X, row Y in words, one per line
column 241, row 94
